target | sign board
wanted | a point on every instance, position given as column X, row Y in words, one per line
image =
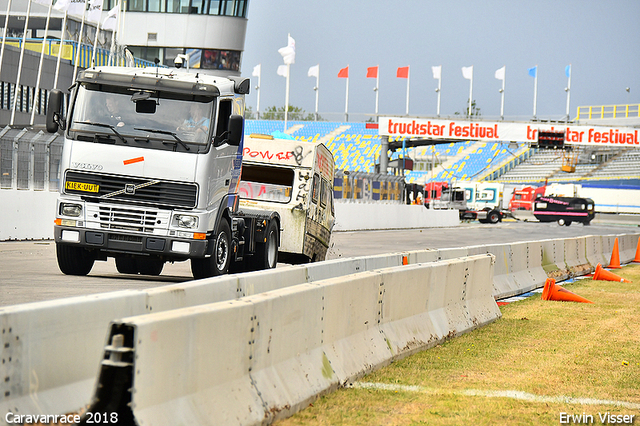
column 493, row 131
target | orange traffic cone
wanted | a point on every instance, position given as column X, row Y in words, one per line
column 615, row 257
column 637, row 258
column 555, row 292
column 604, row 275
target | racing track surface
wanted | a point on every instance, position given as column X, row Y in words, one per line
column 29, row 271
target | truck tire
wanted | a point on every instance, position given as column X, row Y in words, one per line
column 149, row 266
column 493, row 216
column 567, row 223
column 74, row 260
column 266, row 255
column 218, row 262
column 126, row 265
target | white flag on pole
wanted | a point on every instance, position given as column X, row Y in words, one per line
column 256, row 70
column 467, row 72
column 437, row 72
column 72, row 7
column 110, row 21
column 95, row 11
column 283, row 70
column 500, row 73
column 43, row 2
column 289, row 52
column 314, row 71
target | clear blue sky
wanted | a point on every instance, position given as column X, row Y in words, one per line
column 600, row 39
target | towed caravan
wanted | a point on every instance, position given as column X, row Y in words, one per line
column 564, row 210
column 295, row 179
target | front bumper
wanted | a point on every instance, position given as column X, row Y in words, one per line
column 113, row 243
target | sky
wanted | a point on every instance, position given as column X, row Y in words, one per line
column 600, row 39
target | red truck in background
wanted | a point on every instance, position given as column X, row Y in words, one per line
column 522, row 199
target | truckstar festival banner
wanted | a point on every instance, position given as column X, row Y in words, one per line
column 505, row 131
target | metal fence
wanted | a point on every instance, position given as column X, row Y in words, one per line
column 29, row 159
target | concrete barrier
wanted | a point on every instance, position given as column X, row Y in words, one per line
column 365, row 216
column 51, row 350
column 263, row 357
column 41, row 334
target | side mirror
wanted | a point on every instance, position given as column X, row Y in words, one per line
column 235, row 129
column 54, row 110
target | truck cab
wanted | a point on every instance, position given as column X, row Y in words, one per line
column 150, row 171
column 295, row 179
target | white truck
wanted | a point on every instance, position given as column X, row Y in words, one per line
column 295, row 179
column 150, row 172
column 480, row 201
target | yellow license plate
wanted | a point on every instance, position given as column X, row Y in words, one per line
column 80, row 186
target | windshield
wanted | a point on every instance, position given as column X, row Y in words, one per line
column 121, row 114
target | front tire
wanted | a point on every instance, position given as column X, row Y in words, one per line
column 149, row 266
column 74, row 260
column 218, row 262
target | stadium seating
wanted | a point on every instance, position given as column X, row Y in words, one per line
column 357, row 148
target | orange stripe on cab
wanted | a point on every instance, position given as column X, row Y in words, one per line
column 133, row 160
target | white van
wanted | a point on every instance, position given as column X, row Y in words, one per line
column 295, row 179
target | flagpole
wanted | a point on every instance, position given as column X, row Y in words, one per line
column 4, row 33
column 504, row 78
column 535, row 93
column 44, row 41
column 568, row 90
column 470, row 92
column 407, row 109
column 439, row 89
column 113, row 38
column 258, row 94
column 62, row 34
column 79, row 43
column 377, row 89
column 24, row 42
column 346, row 102
column 286, row 99
column 95, row 44
column 317, row 90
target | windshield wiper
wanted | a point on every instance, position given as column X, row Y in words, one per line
column 108, row 126
column 166, row 132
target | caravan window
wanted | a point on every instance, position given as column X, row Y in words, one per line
column 316, row 188
column 266, row 183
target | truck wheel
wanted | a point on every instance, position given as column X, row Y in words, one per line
column 218, row 263
column 266, row 255
column 149, row 266
column 74, row 260
column 494, row 217
column 126, row 265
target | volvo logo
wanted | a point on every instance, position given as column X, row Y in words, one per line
column 130, row 189
column 86, row 166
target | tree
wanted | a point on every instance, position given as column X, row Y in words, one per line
column 295, row 114
column 475, row 111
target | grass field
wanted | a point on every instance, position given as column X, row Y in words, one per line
column 542, row 362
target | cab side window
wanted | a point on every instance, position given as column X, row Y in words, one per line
column 224, row 112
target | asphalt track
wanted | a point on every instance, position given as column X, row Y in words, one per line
column 29, row 272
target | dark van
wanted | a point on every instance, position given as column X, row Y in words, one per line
column 564, row 210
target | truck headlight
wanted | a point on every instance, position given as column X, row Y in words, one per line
column 68, row 209
column 186, row 221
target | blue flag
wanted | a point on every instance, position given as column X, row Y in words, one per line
column 567, row 71
column 533, row 72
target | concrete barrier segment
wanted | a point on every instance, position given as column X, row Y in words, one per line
column 50, row 350
column 262, row 357
column 553, row 259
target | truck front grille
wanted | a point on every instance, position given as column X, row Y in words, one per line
column 134, row 190
column 130, row 219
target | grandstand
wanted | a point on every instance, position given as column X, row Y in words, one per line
column 357, row 148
